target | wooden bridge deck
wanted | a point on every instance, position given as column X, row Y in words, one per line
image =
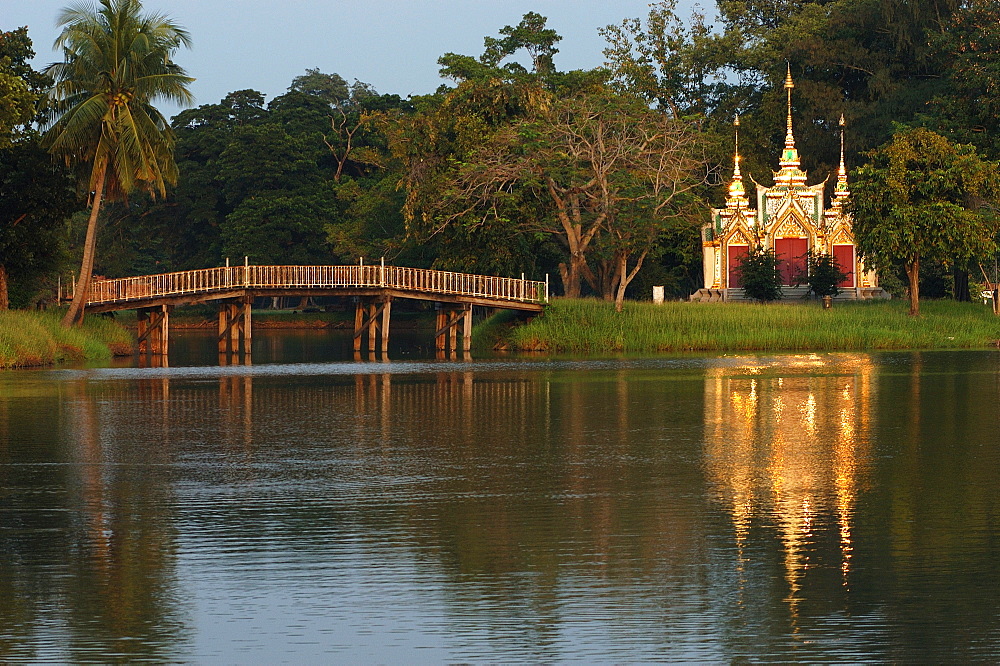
column 373, row 288
column 229, row 282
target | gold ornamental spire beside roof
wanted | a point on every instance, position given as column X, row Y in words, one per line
column 737, row 194
column 789, row 84
column 841, row 191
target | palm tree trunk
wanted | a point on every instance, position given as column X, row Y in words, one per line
column 74, row 316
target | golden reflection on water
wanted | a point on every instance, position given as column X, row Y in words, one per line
column 786, row 443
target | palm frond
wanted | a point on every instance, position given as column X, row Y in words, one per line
column 117, row 63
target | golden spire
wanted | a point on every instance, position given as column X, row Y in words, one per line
column 736, row 160
column 737, row 194
column 789, row 174
column 789, row 84
column 841, row 190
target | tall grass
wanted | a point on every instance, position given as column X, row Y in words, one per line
column 29, row 338
column 593, row 326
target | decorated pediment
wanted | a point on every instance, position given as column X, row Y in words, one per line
column 790, row 228
column 739, row 236
column 842, row 236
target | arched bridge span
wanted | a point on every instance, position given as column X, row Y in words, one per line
column 373, row 287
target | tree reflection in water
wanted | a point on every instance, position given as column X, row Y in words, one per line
column 804, row 507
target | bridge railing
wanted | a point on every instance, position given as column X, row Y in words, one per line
column 209, row 280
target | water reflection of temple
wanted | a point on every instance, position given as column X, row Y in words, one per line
column 787, row 445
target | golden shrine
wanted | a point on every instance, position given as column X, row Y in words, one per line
column 791, row 218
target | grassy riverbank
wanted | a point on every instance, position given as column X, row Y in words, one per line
column 589, row 326
column 30, row 338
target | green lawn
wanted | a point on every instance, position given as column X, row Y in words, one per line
column 589, row 326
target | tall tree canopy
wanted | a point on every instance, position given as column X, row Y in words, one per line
column 513, row 164
column 35, row 195
column 921, row 199
column 117, row 63
column 21, row 86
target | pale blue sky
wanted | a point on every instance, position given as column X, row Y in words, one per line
column 391, row 44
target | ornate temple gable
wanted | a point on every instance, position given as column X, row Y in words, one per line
column 740, row 235
column 802, row 208
column 841, row 235
column 790, row 228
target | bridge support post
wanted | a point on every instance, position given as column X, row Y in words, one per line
column 153, row 330
column 235, row 330
column 371, row 320
column 448, row 321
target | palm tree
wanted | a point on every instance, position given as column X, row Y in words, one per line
column 117, row 62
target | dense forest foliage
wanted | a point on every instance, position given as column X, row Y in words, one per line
column 600, row 178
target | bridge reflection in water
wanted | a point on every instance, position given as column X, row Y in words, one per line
column 719, row 508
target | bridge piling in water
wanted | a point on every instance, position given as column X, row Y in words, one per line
column 153, row 330
column 447, row 322
column 235, row 329
column 371, row 320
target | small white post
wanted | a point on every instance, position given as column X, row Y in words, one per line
column 546, row 287
column 381, row 273
column 227, row 262
column 246, row 271
column 658, row 295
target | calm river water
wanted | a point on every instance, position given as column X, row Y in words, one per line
column 733, row 508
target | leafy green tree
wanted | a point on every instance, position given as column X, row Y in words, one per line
column 20, row 86
column 34, row 193
column 536, row 155
column 924, row 199
column 605, row 169
column 37, row 197
column 824, row 275
column 118, row 61
column 265, row 158
column 279, row 228
column 671, row 62
column 345, row 112
column 967, row 109
column 760, row 274
column 183, row 231
column 433, row 143
column 330, row 88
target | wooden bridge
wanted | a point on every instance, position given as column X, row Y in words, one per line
column 372, row 288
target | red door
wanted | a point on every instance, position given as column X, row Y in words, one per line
column 791, row 253
column 736, row 254
column 844, row 256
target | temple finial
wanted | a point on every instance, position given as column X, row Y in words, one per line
column 789, row 84
column 789, row 174
column 737, row 194
column 736, row 124
column 841, row 190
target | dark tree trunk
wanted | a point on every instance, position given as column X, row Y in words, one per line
column 960, row 291
column 4, row 297
column 913, row 273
